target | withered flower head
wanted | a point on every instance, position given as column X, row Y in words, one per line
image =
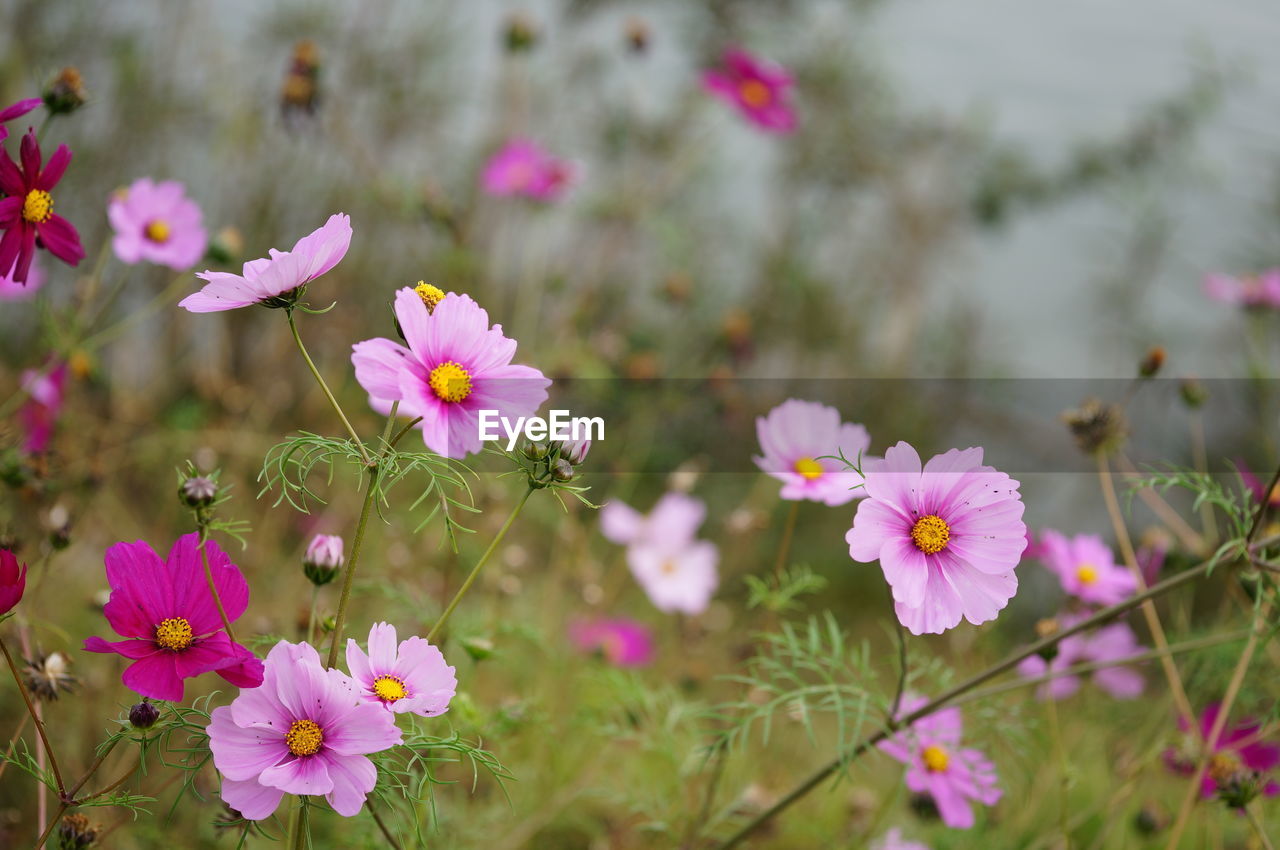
column 75, row 832
column 1098, row 427
column 1149, row 366
column 48, row 675
column 65, row 93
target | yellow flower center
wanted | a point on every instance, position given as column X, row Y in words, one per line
column 1223, row 766
column 935, row 759
column 1087, row 573
column 668, row 567
column 389, row 688
column 808, row 467
column 158, row 230
column 430, row 295
column 304, row 738
column 174, row 633
column 930, row 534
column 450, row 382
column 754, row 93
column 38, row 206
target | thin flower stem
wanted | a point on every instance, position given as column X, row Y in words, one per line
column 1189, row 537
column 112, row 331
column 784, row 548
column 311, row 620
column 1148, row 608
column 1060, row 753
column 337, row 408
column 475, row 571
column 830, row 768
column 35, row 717
column 208, row 576
column 13, row 742
column 69, row 797
column 382, row 826
column 1258, row 829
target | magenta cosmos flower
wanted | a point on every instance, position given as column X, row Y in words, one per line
column 1259, row 292
column 158, row 223
column 939, row 766
column 1108, row 645
column 278, row 280
column 26, row 215
column 169, row 619
column 456, row 365
column 13, row 581
column 759, row 90
column 12, row 290
column 19, row 109
column 1239, row 748
column 801, row 441
column 305, row 731
column 45, row 389
column 523, row 168
column 411, row 677
column 1087, row 568
column 674, row 520
column 947, row 536
column 623, row 643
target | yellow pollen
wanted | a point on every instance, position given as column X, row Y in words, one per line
column 174, row 633
column 930, row 534
column 1087, row 573
column 668, row 567
column 808, row 467
column 754, row 93
column 1223, row 766
column 389, row 688
column 450, row 382
column 935, row 759
column 430, row 295
column 38, row 206
column 158, row 230
column 304, row 738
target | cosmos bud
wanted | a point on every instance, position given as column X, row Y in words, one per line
column 1150, row 365
column 562, row 470
column 198, row 491
column 65, row 93
column 1194, row 395
column 638, row 34
column 521, row 33
column 323, row 559
column 143, row 715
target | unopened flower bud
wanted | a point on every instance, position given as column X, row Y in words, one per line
column 1151, row 364
column 536, row 451
column 575, row 451
column 226, row 247
column 638, row 34
column 478, row 648
column 65, row 93
column 143, row 715
column 521, row 32
column 300, row 91
column 1096, row 426
column 1193, row 393
column 323, row 559
column 198, row 491
column 562, row 470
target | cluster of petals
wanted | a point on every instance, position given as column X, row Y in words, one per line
column 1087, row 568
column 802, row 443
column 524, row 168
column 623, row 643
column 759, row 90
column 676, row 570
column 38, row 416
column 1109, row 645
column 158, row 223
column 456, row 365
column 1240, row 747
column 409, row 677
column 1258, row 292
column 948, row 536
column 26, row 212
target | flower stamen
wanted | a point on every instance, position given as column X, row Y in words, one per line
column 754, row 93
column 430, row 295
column 304, row 738
column 390, row 688
column 1087, row 573
column 450, row 382
column 37, row 208
column 158, row 231
column 935, row 759
column 174, row 633
column 808, row 468
column 931, row 534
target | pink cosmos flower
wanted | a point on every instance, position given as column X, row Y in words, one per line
column 1256, row 485
column 456, row 365
column 758, row 89
column 1260, row 291
column 169, row 618
column 575, row 451
column 277, row 280
column 158, row 223
column 624, row 643
column 893, row 840
column 674, row 520
column 801, row 441
column 677, row 576
column 18, row 109
column 1087, row 568
column 12, row 290
column 13, row 581
column 947, row 536
column 324, row 550
column 305, row 731
column 1108, row 644
column 1239, row 747
column 524, row 168
column 26, row 215
column 411, row 678
column 45, row 389
column 938, row 766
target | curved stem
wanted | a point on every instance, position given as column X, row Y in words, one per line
column 475, row 571
column 333, row 402
column 35, row 717
column 1258, row 829
column 826, row 771
column 208, row 576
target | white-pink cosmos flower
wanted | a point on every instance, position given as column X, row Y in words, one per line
column 409, row 678
column 456, row 365
column 802, row 441
column 158, row 223
column 674, row 520
column 680, row 577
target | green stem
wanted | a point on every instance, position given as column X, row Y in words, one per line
column 784, row 548
column 35, row 718
column 208, row 576
column 475, row 571
column 337, row 408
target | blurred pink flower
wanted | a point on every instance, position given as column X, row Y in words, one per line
column 758, row 89
column 305, row 732
column 1112, row 643
column 524, row 168
column 12, row 290
column 1256, row 485
column 624, row 643
column 938, row 766
column 17, row 110
column 324, row 550
column 1238, row 747
column 893, row 840
column 276, row 280
column 801, row 441
column 1260, row 291
column 409, row 677
column 13, row 581
column 1087, row 568
column 26, row 215
column 948, row 536
column 156, row 222
column 674, row 520
column 677, row 576
column 39, row 413
column 455, row 366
